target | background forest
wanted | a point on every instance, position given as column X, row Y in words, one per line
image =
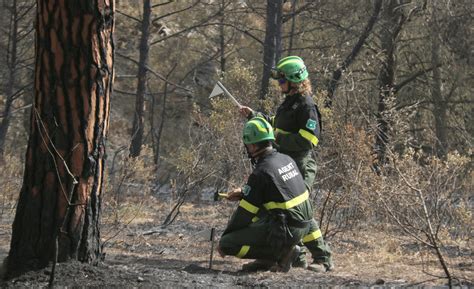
column 392, row 78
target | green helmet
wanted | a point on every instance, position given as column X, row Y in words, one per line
column 256, row 130
column 292, row 68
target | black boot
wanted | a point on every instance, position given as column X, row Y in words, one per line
column 258, row 265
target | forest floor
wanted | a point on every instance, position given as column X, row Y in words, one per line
column 139, row 252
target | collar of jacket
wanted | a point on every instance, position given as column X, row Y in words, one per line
column 265, row 152
column 290, row 99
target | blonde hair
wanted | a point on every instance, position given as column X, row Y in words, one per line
column 303, row 88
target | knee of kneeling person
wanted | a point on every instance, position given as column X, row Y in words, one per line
column 224, row 246
column 228, row 248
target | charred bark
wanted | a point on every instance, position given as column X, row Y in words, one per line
column 391, row 26
column 63, row 180
column 139, row 117
column 440, row 109
column 222, row 36
column 292, row 30
column 272, row 45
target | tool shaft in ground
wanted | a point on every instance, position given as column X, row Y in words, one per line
column 212, row 247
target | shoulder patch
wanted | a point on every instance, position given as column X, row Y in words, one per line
column 311, row 124
column 246, row 190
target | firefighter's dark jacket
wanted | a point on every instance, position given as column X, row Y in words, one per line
column 275, row 184
column 297, row 124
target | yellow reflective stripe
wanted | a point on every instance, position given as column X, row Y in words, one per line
column 248, row 206
column 254, row 219
column 313, row 236
column 288, row 204
column 243, row 251
column 281, row 131
column 309, row 136
column 289, row 61
column 259, row 126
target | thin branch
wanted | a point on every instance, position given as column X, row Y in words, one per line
column 409, row 79
column 47, row 144
column 17, row 109
column 154, row 72
column 303, row 8
column 124, row 92
column 162, row 4
column 128, row 16
column 174, row 12
column 188, row 28
column 355, row 51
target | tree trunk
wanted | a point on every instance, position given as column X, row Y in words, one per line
column 292, row 30
column 222, row 36
column 63, row 181
column 11, row 64
column 440, row 107
column 272, row 45
column 138, row 120
column 391, row 26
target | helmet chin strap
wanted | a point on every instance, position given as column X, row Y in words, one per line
column 291, row 89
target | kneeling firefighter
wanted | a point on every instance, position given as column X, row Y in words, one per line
column 277, row 187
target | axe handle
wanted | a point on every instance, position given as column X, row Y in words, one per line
column 228, row 94
column 212, row 247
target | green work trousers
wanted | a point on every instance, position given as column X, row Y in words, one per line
column 251, row 242
column 314, row 242
column 320, row 251
column 307, row 166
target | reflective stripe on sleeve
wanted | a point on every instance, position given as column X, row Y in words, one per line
column 248, row 206
column 288, row 204
column 309, row 136
column 313, row 236
column 243, row 251
column 255, row 219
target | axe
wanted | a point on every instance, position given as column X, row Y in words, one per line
column 218, row 196
column 220, row 89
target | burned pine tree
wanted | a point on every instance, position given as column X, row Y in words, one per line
column 60, row 200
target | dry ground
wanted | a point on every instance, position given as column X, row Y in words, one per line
column 144, row 254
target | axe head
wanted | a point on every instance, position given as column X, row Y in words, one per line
column 218, row 195
column 216, row 91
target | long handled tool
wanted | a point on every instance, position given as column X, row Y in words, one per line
column 220, row 89
column 212, row 247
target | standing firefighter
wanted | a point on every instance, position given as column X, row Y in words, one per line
column 297, row 128
column 276, row 187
